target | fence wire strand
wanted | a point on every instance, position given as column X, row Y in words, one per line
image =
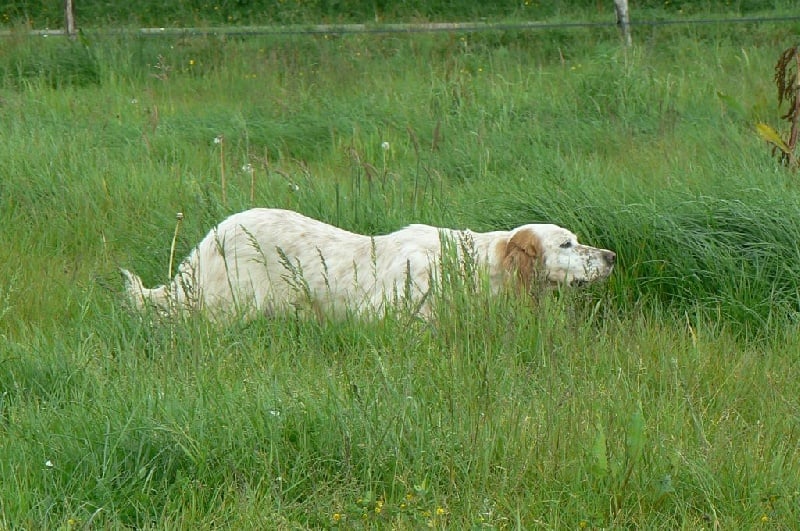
column 434, row 27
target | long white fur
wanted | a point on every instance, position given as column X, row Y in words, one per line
column 270, row 261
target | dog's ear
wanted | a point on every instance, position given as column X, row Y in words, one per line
column 522, row 257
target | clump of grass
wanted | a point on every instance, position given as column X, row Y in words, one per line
column 726, row 257
column 54, row 63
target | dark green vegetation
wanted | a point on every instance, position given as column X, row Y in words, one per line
column 665, row 398
column 158, row 13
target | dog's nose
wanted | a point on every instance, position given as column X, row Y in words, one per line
column 611, row 257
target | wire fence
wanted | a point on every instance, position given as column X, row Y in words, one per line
column 433, row 27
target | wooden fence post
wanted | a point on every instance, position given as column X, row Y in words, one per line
column 69, row 19
column 623, row 20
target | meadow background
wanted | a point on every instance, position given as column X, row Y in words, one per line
column 664, row 398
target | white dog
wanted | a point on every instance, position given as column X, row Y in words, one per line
column 269, row 261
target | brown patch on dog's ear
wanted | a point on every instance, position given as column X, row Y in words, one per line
column 522, row 256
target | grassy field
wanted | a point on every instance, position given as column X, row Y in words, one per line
column 665, row 398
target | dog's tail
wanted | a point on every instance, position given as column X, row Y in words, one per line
column 141, row 297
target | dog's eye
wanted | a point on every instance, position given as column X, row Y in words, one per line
column 566, row 245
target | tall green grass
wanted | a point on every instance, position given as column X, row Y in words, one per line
column 660, row 399
column 295, row 423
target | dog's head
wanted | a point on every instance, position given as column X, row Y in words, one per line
column 552, row 255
